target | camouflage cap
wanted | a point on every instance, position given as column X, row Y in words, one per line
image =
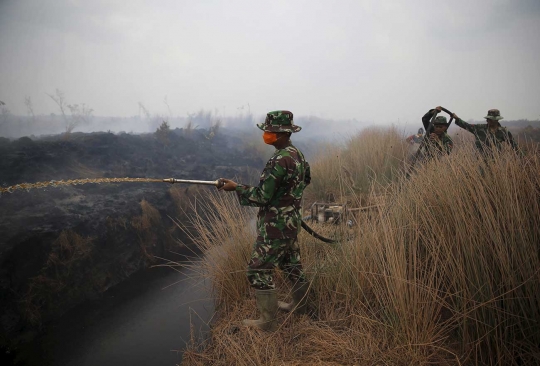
column 440, row 120
column 279, row 121
column 493, row 114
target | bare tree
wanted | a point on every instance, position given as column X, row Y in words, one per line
column 30, row 108
column 4, row 114
column 168, row 108
column 59, row 98
column 78, row 113
column 144, row 110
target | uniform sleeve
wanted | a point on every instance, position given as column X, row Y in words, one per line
column 271, row 178
column 461, row 123
column 513, row 143
column 307, row 175
column 426, row 119
column 450, row 145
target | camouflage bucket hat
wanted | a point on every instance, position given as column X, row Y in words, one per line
column 279, row 121
column 440, row 120
column 493, row 114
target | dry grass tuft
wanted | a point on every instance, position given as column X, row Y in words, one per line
column 67, row 252
column 143, row 225
column 69, row 248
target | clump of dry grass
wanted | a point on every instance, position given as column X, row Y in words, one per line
column 479, row 221
column 67, row 251
column 69, row 248
column 150, row 218
column 447, row 273
column 182, row 197
column 224, row 232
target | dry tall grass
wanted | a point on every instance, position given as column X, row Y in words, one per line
column 143, row 224
column 447, row 273
column 372, row 156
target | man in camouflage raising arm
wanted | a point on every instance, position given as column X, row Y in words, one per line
column 438, row 141
column 278, row 197
column 489, row 135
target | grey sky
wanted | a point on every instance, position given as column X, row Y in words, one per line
column 376, row 61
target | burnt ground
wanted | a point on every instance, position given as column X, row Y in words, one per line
column 62, row 246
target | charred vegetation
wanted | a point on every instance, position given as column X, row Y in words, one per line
column 61, row 246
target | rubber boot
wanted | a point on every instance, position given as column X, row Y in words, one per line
column 300, row 299
column 267, row 305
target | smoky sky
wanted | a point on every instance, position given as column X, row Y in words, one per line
column 374, row 61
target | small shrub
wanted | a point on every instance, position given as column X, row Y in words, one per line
column 163, row 133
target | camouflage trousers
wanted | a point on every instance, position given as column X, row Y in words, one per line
column 281, row 253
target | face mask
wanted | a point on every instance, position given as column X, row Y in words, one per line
column 269, row 137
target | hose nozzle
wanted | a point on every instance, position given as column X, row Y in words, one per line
column 217, row 183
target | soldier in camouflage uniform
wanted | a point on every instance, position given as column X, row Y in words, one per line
column 490, row 134
column 278, row 197
column 438, row 141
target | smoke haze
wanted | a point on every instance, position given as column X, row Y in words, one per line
column 374, row 61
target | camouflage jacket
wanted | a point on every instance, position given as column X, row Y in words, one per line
column 278, row 194
column 486, row 138
column 444, row 145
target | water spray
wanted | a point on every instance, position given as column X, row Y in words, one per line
column 58, row 183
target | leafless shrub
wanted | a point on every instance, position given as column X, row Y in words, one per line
column 163, row 132
column 78, row 113
column 189, row 128
column 214, row 129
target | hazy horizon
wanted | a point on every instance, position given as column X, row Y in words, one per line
column 373, row 61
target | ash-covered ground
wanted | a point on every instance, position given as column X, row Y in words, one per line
column 60, row 246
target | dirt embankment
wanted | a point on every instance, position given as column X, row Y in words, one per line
column 60, row 246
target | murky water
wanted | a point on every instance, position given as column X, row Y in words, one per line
column 142, row 321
